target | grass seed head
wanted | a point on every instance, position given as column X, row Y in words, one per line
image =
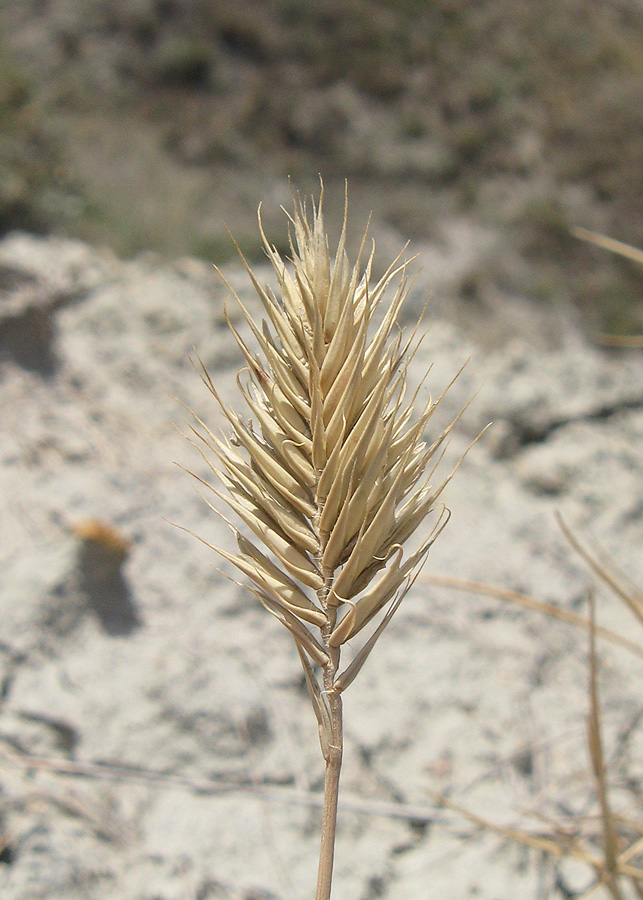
column 331, row 474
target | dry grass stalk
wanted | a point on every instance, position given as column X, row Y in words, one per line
column 614, row 862
column 626, row 341
column 333, row 475
column 608, row 243
column 527, row 602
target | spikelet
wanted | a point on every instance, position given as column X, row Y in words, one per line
column 331, row 474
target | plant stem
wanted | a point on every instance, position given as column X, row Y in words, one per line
column 331, row 793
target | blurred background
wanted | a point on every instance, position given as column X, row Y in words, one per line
column 154, row 124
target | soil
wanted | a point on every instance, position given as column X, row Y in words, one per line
column 156, row 740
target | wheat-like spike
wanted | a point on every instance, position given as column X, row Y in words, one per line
column 332, row 472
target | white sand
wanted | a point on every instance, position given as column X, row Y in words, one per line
column 172, row 669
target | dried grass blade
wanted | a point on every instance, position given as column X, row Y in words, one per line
column 298, row 564
column 293, row 523
column 340, row 343
column 290, row 386
column 632, row 852
column 370, row 603
column 320, row 707
column 365, row 578
column 363, row 552
column 337, row 534
column 608, row 243
column 564, row 615
column 337, row 402
column 567, row 847
column 375, row 598
column 339, row 281
column 289, row 455
column 634, row 601
column 271, row 466
column 351, row 672
column 362, row 437
column 289, row 418
column 610, row 836
column 281, row 323
column 279, row 585
column 300, row 633
column 280, row 592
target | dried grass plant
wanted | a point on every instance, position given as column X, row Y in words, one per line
column 332, row 474
column 628, row 252
column 614, row 850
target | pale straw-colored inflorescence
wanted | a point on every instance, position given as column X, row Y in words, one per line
column 331, row 472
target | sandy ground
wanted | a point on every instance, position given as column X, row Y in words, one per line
column 162, row 666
